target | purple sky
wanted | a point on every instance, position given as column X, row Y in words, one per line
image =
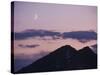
column 54, row 17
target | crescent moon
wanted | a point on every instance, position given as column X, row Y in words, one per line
column 35, row 16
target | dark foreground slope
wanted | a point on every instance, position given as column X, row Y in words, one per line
column 64, row 58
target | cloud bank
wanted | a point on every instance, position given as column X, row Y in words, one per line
column 82, row 36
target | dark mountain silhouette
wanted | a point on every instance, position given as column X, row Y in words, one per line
column 64, row 58
column 85, row 59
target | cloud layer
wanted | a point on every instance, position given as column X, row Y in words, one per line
column 34, row 33
column 82, row 36
column 28, row 46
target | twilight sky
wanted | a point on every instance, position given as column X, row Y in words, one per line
column 54, row 17
column 41, row 28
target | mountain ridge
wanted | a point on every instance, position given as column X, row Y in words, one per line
column 64, row 58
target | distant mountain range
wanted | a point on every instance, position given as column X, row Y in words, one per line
column 94, row 48
column 64, row 58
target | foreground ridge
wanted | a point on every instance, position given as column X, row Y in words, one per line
column 64, row 58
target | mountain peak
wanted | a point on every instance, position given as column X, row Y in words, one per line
column 86, row 50
column 87, row 47
column 65, row 51
column 66, row 48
